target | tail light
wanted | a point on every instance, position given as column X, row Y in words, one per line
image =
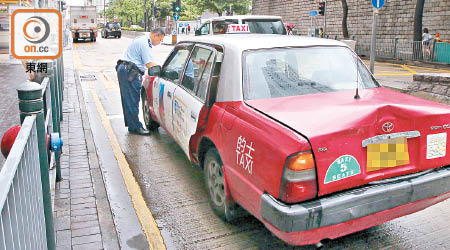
column 298, row 182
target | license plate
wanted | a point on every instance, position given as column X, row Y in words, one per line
column 387, row 153
column 113, row 29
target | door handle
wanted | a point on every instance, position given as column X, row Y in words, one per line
column 193, row 115
column 169, row 94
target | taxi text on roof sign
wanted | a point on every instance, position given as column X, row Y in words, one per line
column 238, row 28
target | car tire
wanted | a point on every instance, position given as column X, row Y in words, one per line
column 150, row 124
column 106, row 34
column 119, row 36
column 215, row 185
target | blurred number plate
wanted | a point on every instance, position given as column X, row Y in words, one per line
column 387, row 153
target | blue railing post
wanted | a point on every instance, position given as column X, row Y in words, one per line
column 31, row 103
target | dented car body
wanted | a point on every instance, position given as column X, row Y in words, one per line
column 297, row 132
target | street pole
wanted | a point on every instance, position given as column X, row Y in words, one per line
column 104, row 11
column 325, row 19
column 374, row 40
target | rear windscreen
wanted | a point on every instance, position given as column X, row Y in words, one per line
column 114, row 25
column 265, row 26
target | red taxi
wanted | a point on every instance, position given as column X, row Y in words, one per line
column 297, row 132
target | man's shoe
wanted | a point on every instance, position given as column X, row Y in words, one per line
column 139, row 131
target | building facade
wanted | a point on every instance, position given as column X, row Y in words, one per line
column 395, row 19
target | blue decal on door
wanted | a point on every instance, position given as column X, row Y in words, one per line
column 161, row 101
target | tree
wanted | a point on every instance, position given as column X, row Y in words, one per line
column 417, row 48
column 220, row 6
column 418, row 14
column 344, row 19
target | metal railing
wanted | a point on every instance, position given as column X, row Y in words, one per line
column 22, row 224
column 400, row 49
column 26, row 220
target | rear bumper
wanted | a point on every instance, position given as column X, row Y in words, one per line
column 357, row 205
column 113, row 33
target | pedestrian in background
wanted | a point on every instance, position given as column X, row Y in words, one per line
column 426, row 39
column 189, row 29
column 130, row 70
column 182, row 30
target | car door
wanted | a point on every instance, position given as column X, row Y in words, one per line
column 190, row 96
column 164, row 87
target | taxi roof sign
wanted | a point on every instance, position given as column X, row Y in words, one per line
column 238, row 28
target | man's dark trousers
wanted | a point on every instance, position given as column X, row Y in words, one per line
column 130, row 93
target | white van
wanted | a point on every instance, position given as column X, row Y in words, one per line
column 257, row 24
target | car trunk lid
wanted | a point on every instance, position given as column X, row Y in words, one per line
column 341, row 131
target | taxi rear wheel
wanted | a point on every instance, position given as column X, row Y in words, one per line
column 215, row 182
column 150, row 124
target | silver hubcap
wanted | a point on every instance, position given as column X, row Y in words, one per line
column 215, row 183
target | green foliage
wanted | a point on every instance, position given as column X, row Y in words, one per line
column 220, row 6
column 132, row 11
column 128, row 11
column 132, row 29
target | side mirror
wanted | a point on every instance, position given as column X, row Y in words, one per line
column 197, row 32
column 154, row 70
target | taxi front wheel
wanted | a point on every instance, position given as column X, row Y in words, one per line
column 215, row 184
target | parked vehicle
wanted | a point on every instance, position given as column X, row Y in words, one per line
column 111, row 29
column 257, row 24
column 83, row 22
column 297, row 131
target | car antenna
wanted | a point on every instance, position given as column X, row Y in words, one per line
column 357, row 77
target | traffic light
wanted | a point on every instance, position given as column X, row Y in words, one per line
column 176, row 6
column 322, row 6
column 156, row 10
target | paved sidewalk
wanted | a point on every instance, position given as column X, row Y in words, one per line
column 83, row 217
column 11, row 76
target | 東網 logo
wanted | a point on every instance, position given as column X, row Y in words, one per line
column 36, row 34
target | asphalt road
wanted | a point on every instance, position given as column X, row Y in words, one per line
column 173, row 190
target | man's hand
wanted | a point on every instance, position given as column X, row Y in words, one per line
column 150, row 64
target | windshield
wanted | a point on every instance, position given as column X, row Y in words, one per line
column 114, row 25
column 265, row 26
column 220, row 27
column 273, row 73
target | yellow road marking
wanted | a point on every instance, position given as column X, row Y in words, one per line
column 75, row 45
column 408, row 69
column 109, row 85
column 395, row 74
column 431, row 69
column 149, row 226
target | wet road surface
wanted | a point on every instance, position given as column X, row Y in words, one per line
column 175, row 193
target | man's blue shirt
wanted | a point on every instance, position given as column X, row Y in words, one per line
column 140, row 52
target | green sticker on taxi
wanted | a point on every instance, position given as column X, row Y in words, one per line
column 343, row 167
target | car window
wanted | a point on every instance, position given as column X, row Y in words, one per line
column 175, row 63
column 220, row 27
column 204, row 30
column 198, row 71
column 113, row 25
column 265, row 26
column 273, row 73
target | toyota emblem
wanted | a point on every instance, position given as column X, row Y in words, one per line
column 388, row 127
